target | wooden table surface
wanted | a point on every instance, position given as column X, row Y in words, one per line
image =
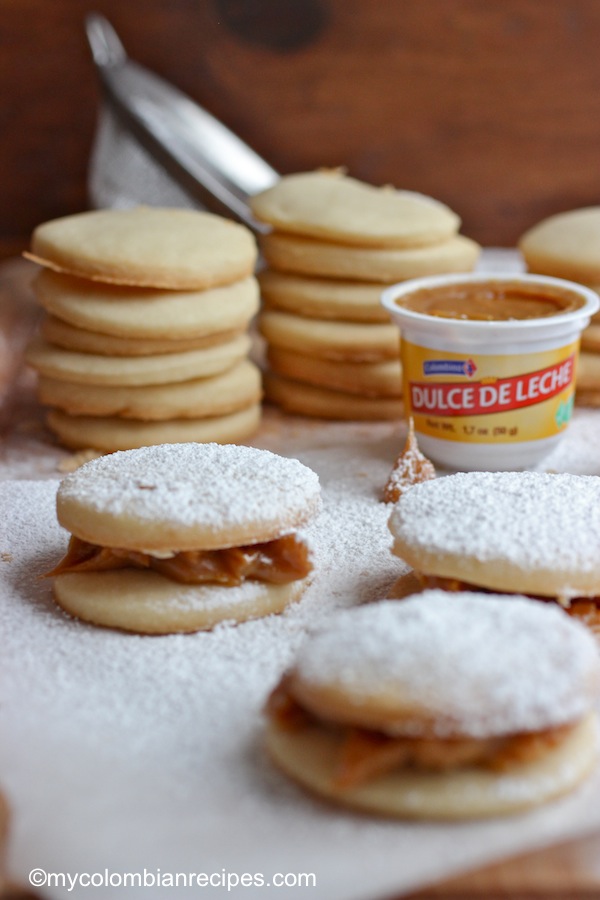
column 494, row 108
column 569, row 871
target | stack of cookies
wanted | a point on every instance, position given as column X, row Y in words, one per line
column 335, row 244
column 567, row 245
column 145, row 335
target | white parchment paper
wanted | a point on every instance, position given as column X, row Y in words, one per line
column 122, row 753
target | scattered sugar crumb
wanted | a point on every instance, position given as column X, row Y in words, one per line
column 411, row 468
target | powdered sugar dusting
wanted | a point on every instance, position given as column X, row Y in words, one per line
column 528, row 519
column 156, row 742
column 185, row 485
column 480, row 664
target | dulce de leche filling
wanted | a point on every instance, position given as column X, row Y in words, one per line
column 491, row 301
column 364, row 754
column 585, row 608
column 279, row 561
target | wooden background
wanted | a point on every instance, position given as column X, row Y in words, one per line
column 493, row 107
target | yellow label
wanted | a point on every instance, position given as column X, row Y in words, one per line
column 489, row 399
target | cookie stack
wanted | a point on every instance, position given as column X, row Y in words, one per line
column 335, row 244
column 567, row 245
column 145, row 335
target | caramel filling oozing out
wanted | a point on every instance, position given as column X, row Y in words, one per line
column 585, row 608
column 364, row 755
column 280, row 561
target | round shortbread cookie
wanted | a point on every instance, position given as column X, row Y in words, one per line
column 145, row 313
column 522, row 532
column 191, row 496
column 324, row 403
column 587, row 397
column 448, row 665
column 590, row 338
column 309, row 757
column 114, row 433
column 323, row 298
column 330, row 205
column 378, row 379
column 178, row 249
column 147, row 603
column 71, row 337
column 588, row 371
column 328, row 339
column 305, row 256
column 445, row 666
column 89, row 368
column 565, row 245
column 237, row 388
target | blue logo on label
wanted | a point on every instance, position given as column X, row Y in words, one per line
column 449, row 367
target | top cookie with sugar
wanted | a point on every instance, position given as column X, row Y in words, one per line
column 175, row 497
column 177, row 249
column 522, row 532
column 330, row 205
column 449, row 665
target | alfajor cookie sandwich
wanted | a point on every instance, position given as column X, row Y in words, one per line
column 178, row 537
column 507, row 532
column 440, row 707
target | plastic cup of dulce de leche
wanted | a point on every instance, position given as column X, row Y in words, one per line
column 489, row 363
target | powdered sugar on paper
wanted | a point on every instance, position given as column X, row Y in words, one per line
column 127, row 752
